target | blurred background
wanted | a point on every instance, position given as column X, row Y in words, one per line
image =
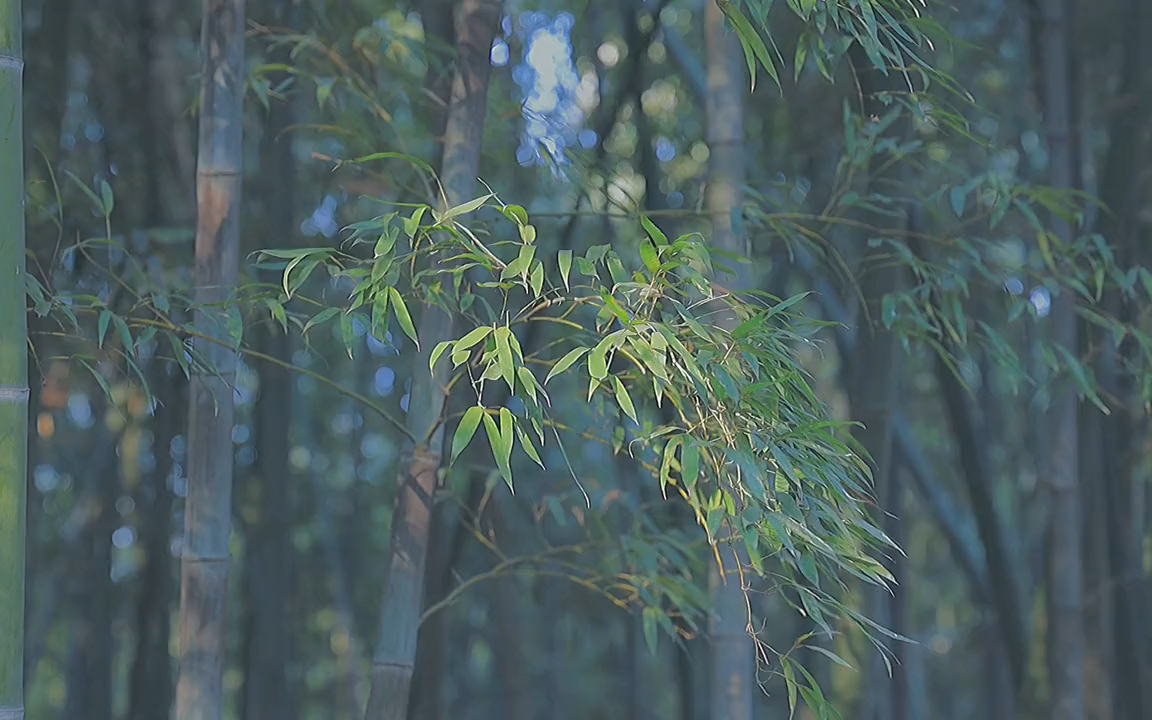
column 596, row 113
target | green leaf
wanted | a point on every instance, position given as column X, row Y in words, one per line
column 888, row 310
column 529, row 448
column 749, row 40
column 528, row 234
column 649, row 256
column 669, row 457
column 537, row 279
column 180, row 352
column 107, row 199
column 277, row 311
column 385, row 244
column 807, row 565
column 99, row 378
column 380, row 316
column 650, row 619
column 96, row 202
column 102, row 327
column 654, row 231
column 527, row 380
column 412, row 224
column 436, row 353
column 504, row 357
column 466, row 429
column 320, row 317
column 520, row 265
column 790, row 682
column 501, row 450
column 465, row 208
column 800, row 57
column 516, row 213
column 598, row 360
column 400, row 310
column 564, row 259
column 412, row 159
column 507, row 422
column 565, row 362
column 690, row 464
column 624, row 400
column 348, row 333
column 472, row 338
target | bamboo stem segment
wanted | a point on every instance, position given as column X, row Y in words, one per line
column 208, row 510
column 13, row 365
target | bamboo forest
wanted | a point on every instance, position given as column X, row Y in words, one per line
column 575, row 360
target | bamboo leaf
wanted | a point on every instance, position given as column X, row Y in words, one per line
column 669, row 457
column 102, row 327
column 654, row 231
column 529, row 447
column 320, row 317
column 465, row 208
column 402, row 316
column 690, row 464
column 565, row 362
column 107, row 199
column 649, row 621
column 436, row 353
column 466, row 430
column 564, row 259
column 598, row 360
column 649, row 256
column 472, row 338
column 504, row 358
column 624, row 400
column 516, row 213
column 348, row 333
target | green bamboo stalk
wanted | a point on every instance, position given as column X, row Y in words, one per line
column 13, row 366
column 402, row 603
column 207, row 514
column 733, row 652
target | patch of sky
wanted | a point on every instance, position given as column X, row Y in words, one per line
column 548, row 82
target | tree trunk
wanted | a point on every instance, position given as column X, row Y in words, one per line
column 402, row 603
column 267, row 693
column 1118, row 447
column 1065, row 591
column 207, row 514
column 874, row 395
column 428, row 686
column 13, row 366
column 733, row 654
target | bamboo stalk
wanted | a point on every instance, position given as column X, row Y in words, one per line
column 401, row 606
column 207, row 515
column 733, row 651
column 13, row 366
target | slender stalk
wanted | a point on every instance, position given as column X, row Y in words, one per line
column 875, row 398
column 733, row 652
column 207, row 515
column 13, row 366
column 392, row 665
column 1065, row 590
column 268, row 694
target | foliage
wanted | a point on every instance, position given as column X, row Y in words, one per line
column 726, row 421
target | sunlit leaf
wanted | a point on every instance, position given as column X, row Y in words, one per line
column 466, row 429
column 624, row 400
column 402, row 316
column 565, row 362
